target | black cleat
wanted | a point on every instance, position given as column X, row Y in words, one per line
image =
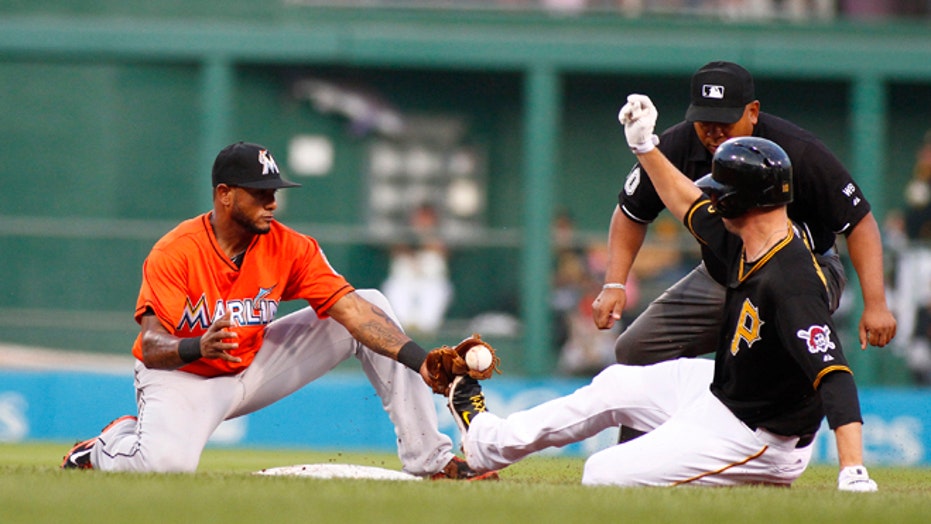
column 79, row 457
column 465, row 401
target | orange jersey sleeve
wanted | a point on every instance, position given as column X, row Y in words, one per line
column 189, row 282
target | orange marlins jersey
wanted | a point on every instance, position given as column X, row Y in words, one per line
column 189, row 282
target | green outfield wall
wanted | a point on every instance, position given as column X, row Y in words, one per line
column 112, row 112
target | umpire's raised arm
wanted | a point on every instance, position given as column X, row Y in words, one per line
column 677, row 191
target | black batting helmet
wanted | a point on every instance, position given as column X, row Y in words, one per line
column 748, row 173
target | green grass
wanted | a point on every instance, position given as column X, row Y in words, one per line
column 538, row 490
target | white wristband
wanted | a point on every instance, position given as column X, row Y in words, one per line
column 614, row 285
column 647, row 146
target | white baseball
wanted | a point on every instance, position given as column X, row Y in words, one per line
column 478, row 358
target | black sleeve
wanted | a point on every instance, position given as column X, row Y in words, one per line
column 638, row 199
column 827, row 186
column 839, row 397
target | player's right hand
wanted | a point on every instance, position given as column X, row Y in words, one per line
column 855, row 478
column 638, row 116
column 218, row 341
column 607, row 307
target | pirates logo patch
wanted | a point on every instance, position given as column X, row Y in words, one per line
column 818, row 340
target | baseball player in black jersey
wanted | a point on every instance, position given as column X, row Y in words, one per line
column 686, row 318
column 684, row 321
column 778, row 371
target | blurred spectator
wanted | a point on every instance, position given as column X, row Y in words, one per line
column 895, row 236
column 569, row 275
column 418, row 284
column 584, row 350
column 911, row 303
column 564, row 6
column 868, row 9
column 912, row 292
column 764, row 9
column 918, row 353
column 918, row 194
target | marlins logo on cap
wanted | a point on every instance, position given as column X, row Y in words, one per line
column 248, row 165
column 268, row 163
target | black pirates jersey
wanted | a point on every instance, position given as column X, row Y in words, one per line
column 778, row 341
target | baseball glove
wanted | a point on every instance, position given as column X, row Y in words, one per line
column 445, row 364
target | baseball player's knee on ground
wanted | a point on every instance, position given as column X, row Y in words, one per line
column 620, row 466
column 172, row 462
column 598, row 472
column 174, row 458
column 147, row 461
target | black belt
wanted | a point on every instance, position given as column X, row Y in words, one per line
column 805, row 440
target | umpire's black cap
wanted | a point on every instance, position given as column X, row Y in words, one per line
column 720, row 92
column 248, row 165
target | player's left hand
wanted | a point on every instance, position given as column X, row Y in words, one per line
column 877, row 327
column 638, row 116
column 855, row 478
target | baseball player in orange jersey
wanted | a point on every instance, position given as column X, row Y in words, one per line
column 210, row 348
column 747, row 417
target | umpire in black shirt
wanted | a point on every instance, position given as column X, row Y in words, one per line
column 685, row 320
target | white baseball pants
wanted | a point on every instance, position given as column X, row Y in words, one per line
column 694, row 440
column 178, row 411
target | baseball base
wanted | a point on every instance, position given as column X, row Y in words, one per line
column 337, row 471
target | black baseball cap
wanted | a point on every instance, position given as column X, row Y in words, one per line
column 248, row 165
column 720, row 92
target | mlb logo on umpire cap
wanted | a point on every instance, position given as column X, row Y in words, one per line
column 720, row 92
column 248, row 165
column 712, row 91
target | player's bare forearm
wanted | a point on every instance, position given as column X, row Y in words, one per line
column 369, row 324
column 866, row 253
column 625, row 238
column 160, row 351
column 864, row 243
column 676, row 190
column 849, row 439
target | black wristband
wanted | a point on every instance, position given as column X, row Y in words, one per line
column 412, row 355
column 189, row 349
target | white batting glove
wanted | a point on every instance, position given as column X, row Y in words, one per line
column 638, row 116
column 855, row 478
